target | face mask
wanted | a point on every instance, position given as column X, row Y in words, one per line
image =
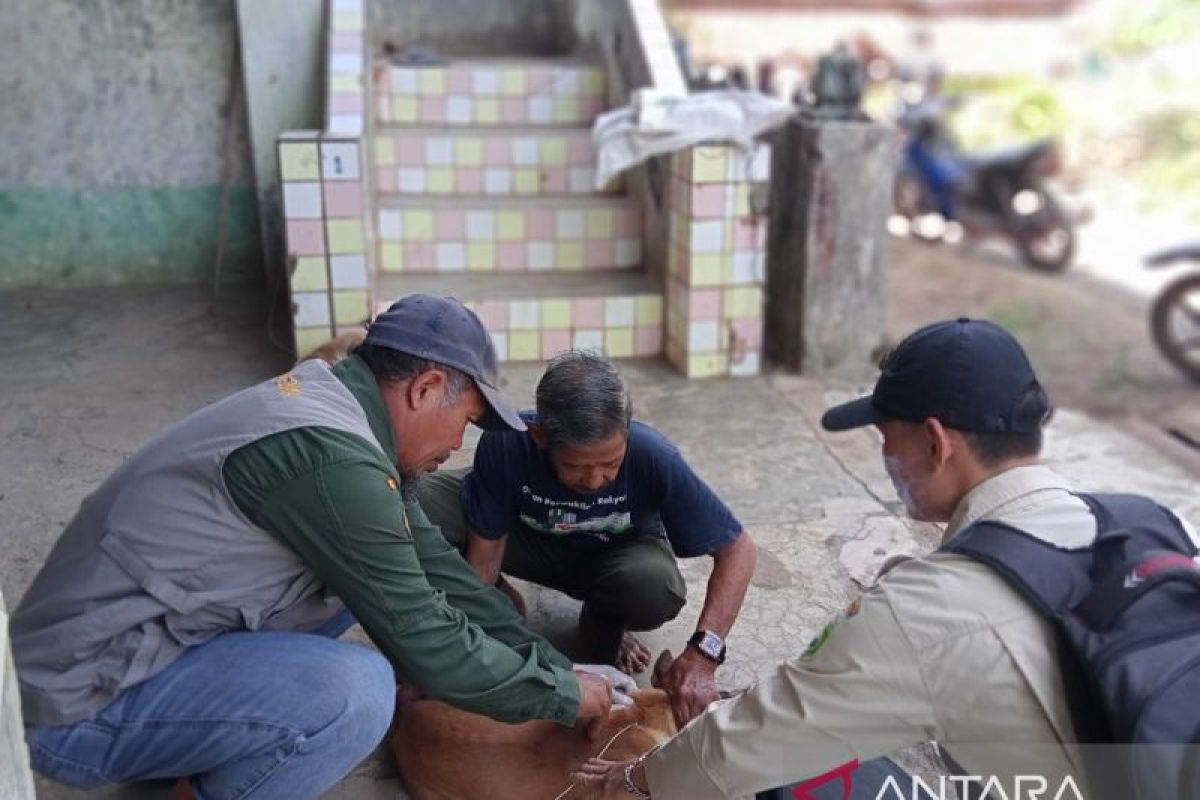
column 903, row 489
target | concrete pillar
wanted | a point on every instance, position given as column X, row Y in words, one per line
column 831, row 192
column 326, row 202
column 714, row 282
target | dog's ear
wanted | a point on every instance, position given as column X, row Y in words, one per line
column 661, row 665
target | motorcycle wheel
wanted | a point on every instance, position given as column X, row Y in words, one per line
column 1175, row 324
column 1048, row 243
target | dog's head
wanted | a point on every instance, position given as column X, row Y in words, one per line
column 337, row 348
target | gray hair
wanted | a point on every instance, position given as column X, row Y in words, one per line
column 581, row 399
column 392, row 366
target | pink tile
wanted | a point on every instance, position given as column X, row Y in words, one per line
column 496, row 152
column 306, row 237
column 433, row 109
column 579, row 151
column 704, row 305
column 419, row 257
column 647, row 341
column 468, row 181
column 599, row 253
column 629, row 222
column 748, row 333
column 410, row 151
column 590, row 106
column 451, row 225
column 588, row 312
column 541, row 225
column 555, row 341
column 346, row 41
column 458, row 80
column 554, row 180
column 493, row 314
column 540, row 81
column 708, row 200
column 510, row 256
column 745, row 235
column 386, row 180
column 512, row 109
column 343, row 199
column 760, row 234
column 345, row 103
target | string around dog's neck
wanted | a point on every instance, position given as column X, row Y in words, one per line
column 603, row 750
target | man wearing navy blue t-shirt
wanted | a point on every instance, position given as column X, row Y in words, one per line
column 599, row 506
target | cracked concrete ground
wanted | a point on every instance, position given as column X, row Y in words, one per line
column 87, row 376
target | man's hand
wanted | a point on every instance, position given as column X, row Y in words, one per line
column 690, row 684
column 623, row 685
column 595, row 701
column 602, row 780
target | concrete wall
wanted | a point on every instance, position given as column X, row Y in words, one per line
column 475, row 27
column 283, row 64
column 113, row 121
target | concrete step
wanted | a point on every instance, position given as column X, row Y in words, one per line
column 485, row 161
column 501, row 91
column 535, row 317
column 508, row 235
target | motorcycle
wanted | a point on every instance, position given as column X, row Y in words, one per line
column 1001, row 192
column 1175, row 311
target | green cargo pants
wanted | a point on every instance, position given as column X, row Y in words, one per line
column 633, row 584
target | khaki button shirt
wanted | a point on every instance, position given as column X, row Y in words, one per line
column 16, row 781
column 941, row 649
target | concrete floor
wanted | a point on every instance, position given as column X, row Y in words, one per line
column 87, row 376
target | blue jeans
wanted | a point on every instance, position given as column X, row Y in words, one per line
column 247, row 715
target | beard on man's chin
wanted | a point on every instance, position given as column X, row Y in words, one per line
column 409, row 484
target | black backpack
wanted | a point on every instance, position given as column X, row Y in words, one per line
column 1127, row 610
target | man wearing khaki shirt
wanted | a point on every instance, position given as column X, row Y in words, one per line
column 942, row 648
column 16, row 781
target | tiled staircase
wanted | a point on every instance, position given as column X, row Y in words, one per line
column 476, row 179
column 484, row 177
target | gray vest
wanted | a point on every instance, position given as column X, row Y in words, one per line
column 160, row 558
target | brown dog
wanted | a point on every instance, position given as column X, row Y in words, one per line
column 447, row 754
column 338, row 347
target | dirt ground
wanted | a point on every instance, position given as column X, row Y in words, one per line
column 1089, row 340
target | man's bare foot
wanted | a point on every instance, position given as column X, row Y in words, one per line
column 632, row 655
column 513, row 594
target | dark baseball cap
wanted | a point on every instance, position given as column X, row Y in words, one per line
column 969, row 374
column 442, row 329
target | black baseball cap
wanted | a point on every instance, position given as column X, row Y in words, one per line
column 442, row 329
column 969, row 374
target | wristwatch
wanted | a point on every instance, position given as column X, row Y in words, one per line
column 710, row 645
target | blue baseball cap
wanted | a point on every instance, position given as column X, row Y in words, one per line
column 442, row 329
column 969, row 374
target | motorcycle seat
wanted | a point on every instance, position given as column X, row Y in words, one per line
column 1187, row 251
column 1009, row 158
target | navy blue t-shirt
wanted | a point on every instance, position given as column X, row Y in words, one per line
column 513, row 485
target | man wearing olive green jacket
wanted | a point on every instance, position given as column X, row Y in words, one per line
column 185, row 622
